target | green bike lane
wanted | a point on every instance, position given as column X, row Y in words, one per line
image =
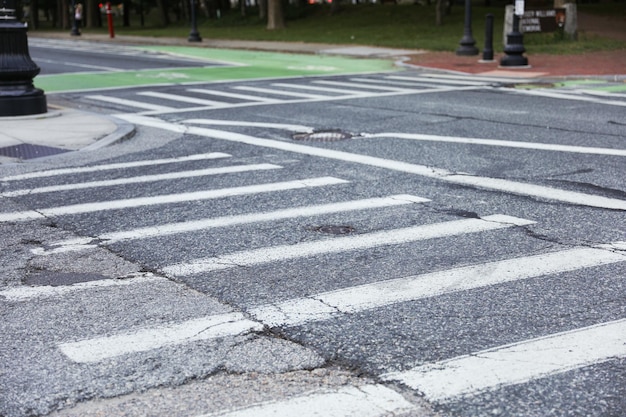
column 222, row 65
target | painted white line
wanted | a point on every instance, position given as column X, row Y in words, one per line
column 279, row 92
column 352, row 300
column 226, row 221
column 599, row 93
column 168, row 199
column 476, row 77
column 74, row 64
column 232, row 95
column 516, row 363
column 325, row 89
column 130, row 103
column 398, row 83
column 348, row 401
column 142, row 179
column 107, row 167
column 182, row 99
column 550, row 94
column 366, row 87
column 292, row 128
column 343, row 244
column 513, row 187
column 503, row 143
column 437, row 81
column 546, row 193
column 24, row 293
column 142, row 340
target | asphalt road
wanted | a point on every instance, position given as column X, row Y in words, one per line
column 398, row 243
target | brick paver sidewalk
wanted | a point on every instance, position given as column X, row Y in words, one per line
column 605, row 63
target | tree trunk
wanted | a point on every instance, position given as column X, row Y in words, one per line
column 262, row 9
column 439, row 10
column 65, row 11
column 275, row 19
column 162, row 7
column 34, row 14
column 126, row 13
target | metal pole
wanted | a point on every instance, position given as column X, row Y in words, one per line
column 467, row 44
column 18, row 96
column 194, row 36
column 488, row 49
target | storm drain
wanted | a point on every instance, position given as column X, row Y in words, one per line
column 330, row 135
column 28, row 151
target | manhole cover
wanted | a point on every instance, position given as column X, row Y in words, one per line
column 334, row 229
column 331, row 135
column 27, row 151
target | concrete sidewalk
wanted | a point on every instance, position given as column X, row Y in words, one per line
column 63, row 130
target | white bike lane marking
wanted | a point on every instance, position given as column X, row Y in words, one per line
column 495, row 184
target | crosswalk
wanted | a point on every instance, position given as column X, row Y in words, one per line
column 484, row 366
column 214, row 97
column 259, row 93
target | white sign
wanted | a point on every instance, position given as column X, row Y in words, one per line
column 519, row 7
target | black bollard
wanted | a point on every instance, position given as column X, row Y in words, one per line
column 18, row 95
column 488, row 49
column 467, row 43
column 514, row 49
column 194, row 36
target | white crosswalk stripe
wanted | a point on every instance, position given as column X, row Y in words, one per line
column 130, row 103
column 517, row 363
column 142, row 179
column 351, row 243
column 362, row 401
column 112, row 167
column 383, row 293
column 166, row 199
column 142, row 340
column 183, row 99
column 226, row 221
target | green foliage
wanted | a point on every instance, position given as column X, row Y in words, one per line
column 387, row 25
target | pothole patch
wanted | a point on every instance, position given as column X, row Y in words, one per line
column 57, row 279
column 334, row 229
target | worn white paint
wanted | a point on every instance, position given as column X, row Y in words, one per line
column 516, row 363
column 145, row 339
column 167, row 199
column 226, row 221
column 110, row 167
column 343, row 244
column 142, row 179
column 348, row 401
column 384, row 293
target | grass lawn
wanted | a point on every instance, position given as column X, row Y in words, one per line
column 387, row 25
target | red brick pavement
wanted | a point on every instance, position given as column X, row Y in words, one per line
column 592, row 63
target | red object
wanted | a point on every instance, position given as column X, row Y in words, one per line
column 110, row 20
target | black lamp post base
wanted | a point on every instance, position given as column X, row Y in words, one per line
column 514, row 61
column 467, row 50
column 194, row 37
column 33, row 102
